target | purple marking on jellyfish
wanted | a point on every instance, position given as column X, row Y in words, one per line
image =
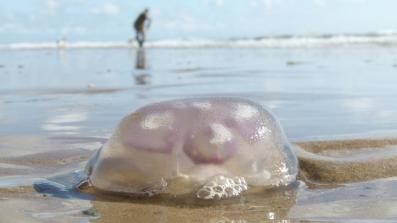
column 214, row 144
column 141, row 142
column 152, row 133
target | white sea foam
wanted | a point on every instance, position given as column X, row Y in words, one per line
column 307, row 41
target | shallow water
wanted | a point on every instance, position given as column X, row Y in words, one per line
column 57, row 107
column 330, row 93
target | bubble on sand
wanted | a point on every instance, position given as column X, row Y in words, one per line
column 221, row 187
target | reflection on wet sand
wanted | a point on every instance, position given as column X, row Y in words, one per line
column 64, row 91
column 265, row 206
column 42, row 209
column 65, row 123
column 141, row 78
column 365, row 201
column 140, row 59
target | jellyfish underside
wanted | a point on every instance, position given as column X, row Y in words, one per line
column 212, row 148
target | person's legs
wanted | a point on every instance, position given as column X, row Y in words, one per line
column 143, row 36
column 137, row 37
column 140, row 38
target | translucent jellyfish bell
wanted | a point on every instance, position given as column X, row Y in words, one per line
column 213, row 148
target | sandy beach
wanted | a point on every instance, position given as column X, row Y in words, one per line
column 57, row 107
column 29, row 197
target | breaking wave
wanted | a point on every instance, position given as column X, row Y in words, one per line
column 308, row 41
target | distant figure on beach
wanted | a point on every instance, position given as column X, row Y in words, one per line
column 61, row 44
column 140, row 28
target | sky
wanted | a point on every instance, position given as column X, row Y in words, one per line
column 107, row 20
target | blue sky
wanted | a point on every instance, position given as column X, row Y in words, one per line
column 105, row 20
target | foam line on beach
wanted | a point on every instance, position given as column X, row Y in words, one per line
column 306, row 41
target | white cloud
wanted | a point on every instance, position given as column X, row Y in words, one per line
column 186, row 22
column 323, row 3
column 52, row 4
column 10, row 27
column 267, row 3
column 320, row 3
column 271, row 3
column 53, row 7
column 218, row 3
column 109, row 9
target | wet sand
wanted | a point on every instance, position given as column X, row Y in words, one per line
column 347, row 161
column 309, row 200
column 60, row 106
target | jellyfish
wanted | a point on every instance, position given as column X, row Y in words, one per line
column 211, row 148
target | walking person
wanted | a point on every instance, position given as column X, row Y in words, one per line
column 141, row 24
